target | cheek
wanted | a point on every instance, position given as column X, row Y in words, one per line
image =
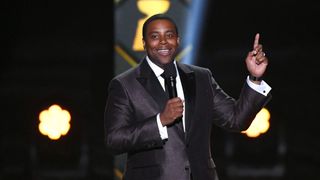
column 153, row 44
column 174, row 43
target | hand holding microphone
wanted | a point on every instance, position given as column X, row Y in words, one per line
column 174, row 107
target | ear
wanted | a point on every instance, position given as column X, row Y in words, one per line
column 144, row 44
column 178, row 41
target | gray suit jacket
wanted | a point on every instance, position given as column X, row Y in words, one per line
column 136, row 97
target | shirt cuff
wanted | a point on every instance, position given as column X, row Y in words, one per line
column 162, row 129
column 262, row 88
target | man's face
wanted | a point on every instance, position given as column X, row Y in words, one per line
column 161, row 41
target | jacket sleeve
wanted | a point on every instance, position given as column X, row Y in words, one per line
column 236, row 115
column 124, row 133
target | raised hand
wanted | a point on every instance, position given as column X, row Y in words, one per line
column 256, row 60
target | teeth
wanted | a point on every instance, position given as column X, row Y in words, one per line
column 163, row 51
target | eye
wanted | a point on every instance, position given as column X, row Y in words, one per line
column 170, row 35
column 154, row 36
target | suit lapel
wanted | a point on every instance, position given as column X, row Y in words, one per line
column 150, row 82
column 189, row 90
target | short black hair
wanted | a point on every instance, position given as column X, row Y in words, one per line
column 157, row 17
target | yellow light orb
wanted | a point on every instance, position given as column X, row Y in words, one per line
column 259, row 125
column 54, row 122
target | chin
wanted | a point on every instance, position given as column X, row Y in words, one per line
column 166, row 61
column 160, row 61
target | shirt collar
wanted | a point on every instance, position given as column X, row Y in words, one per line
column 156, row 69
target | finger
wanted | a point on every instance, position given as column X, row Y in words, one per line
column 179, row 111
column 260, row 54
column 178, row 105
column 263, row 60
column 256, row 41
column 173, row 101
column 176, row 99
column 257, row 50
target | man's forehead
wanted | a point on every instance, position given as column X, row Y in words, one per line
column 161, row 21
column 157, row 26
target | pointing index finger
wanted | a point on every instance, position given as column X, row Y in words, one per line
column 256, row 40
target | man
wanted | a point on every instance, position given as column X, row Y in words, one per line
column 168, row 138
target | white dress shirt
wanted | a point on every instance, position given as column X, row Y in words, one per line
column 158, row 71
column 263, row 89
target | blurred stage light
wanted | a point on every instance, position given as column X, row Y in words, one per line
column 196, row 17
column 259, row 125
column 54, row 122
column 149, row 8
column 260, row 157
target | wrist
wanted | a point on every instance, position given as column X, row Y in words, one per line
column 162, row 120
column 254, row 79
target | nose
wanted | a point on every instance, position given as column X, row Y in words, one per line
column 163, row 40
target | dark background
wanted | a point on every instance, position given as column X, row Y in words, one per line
column 62, row 52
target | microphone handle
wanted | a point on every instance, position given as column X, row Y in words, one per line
column 173, row 89
column 173, row 94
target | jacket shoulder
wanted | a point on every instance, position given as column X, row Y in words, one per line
column 126, row 75
column 195, row 69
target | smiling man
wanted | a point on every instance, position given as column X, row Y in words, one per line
column 160, row 40
column 168, row 137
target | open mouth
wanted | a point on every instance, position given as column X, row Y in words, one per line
column 163, row 52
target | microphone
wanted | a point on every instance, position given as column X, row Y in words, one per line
column 170, row 74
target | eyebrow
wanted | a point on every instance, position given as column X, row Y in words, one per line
column 168, row 31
